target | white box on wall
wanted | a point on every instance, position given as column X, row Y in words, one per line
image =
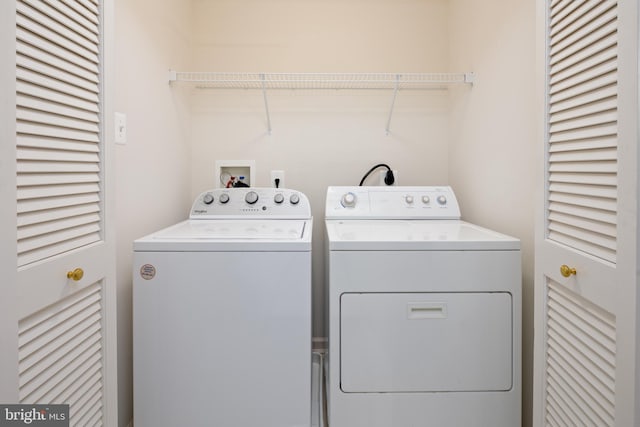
column 226, row 169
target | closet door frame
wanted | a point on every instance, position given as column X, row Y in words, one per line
column 8, row 255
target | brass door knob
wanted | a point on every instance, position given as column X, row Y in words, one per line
column 567, row 271
column 75, row 275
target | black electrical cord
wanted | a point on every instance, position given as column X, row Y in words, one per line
column 389, row 179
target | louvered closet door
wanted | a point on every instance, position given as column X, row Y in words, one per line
column 577, row 370
column 66, row 326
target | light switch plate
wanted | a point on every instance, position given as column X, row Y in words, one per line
column 120, row 122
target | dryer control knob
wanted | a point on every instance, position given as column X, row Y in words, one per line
column 408, row 199
column 348, row 200
column 442, row 200
column 278, row 198
column 224, row 198
column 251, row 197
column 426, row 200
column 208, row 199
column 294, row 199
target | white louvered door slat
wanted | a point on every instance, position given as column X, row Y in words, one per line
column 49, row 58
column 580, row 178
column 583, row 27
column 56, row 131
column 26, row 38
column 52, row 73
column 598, row 83
column 91, row 24
column 601, row 94
column 581, row 44
column 61, row 178
column 601, row 106
column 581, row 328
column 43, row 337
column 72, row 336
column 39, row 10
column 27, row 154
column 64, row 325
column 46, row 118
column 84, row 8
column 52, row 83
column 67, row 223
column 58, row 190
column 584, row 296
column 46, row 95
column 587, row 213
column 599, row 190
column 57, row 32
column 47, row 106
column 36, row 205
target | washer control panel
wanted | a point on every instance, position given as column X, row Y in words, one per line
column 392, row 202
column 251, row 202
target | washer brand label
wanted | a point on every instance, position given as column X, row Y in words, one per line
column 147, row 272
column 34, row 415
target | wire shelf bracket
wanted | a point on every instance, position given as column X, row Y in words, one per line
column 266, row 103
column 393, row 103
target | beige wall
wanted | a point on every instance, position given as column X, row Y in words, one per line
column 493, row 148
column 153, row 167
column 321, row 138
column 320, row 36
column 479, row 139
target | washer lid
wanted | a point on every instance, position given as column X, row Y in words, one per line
column 414, row 235
column 230, row 235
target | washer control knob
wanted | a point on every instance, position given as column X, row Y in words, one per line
column 408, row 199
column 442, row 200
column 426, row 200
column 251, row 197
column 224, row 198
column 294, row 199
column 278, row 198
column 208, row 199
column 348, row 200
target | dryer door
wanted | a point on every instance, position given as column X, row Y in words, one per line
column 426, row 342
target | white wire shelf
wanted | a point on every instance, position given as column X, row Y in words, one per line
column 336, row 81
column 215, row 80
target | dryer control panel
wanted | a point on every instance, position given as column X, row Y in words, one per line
column 391, row 203
column 238, row 203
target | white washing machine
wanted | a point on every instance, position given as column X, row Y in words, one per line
column 222, row 314
column 424, row 314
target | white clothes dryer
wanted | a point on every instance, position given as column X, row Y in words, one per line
column 222, row 314
column 424, row 312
